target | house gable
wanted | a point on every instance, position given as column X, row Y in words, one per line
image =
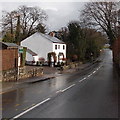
column 39, row 44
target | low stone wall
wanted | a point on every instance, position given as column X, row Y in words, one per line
column 30, row 73
column 12, row 75
column 9, row 75
column 72, row 65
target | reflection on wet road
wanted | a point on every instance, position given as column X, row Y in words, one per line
column 28, row 95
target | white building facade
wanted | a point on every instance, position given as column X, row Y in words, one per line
column 60, row 50
column 42, row 44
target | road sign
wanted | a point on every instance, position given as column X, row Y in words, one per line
column 20, row 50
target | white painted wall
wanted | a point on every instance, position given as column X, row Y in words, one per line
column 35, row 58
column 38, row 44
column 29, row 57
column 59, row 49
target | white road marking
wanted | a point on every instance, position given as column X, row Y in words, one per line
column 58, row 91
column 89, row 75
column 17, row 116
column 67, row 88
column 83, row 79
column 94, row 72
column 98, row 68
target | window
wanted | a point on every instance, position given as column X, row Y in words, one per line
column 56, row 47
column 63, row 47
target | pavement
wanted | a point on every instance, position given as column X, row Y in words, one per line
column 49, row 73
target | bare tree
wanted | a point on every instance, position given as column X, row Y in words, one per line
column 41, row 28
column 8, row 21
column 23, row 21
column 103, row 15
column 30, row 18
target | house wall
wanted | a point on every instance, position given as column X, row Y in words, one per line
column 29, row 57
column 58, row 50
column 9, row 59
column 38, row 44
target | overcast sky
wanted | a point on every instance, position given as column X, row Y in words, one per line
column 59, row 13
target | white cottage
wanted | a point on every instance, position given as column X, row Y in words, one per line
column 42, row 45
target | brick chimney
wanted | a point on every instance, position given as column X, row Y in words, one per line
column 52, row 34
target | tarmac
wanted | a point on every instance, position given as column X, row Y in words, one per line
column 49, row 73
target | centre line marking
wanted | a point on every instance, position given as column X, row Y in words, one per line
column 83, row 79
column 89, row 75
column 58, row 91
column 94, row 72
column 67, row 88
column 17, row 116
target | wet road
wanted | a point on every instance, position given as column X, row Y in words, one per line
column 89, row 94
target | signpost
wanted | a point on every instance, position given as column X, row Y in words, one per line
column 20, row 51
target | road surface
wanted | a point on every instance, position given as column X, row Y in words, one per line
column 89, row 94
